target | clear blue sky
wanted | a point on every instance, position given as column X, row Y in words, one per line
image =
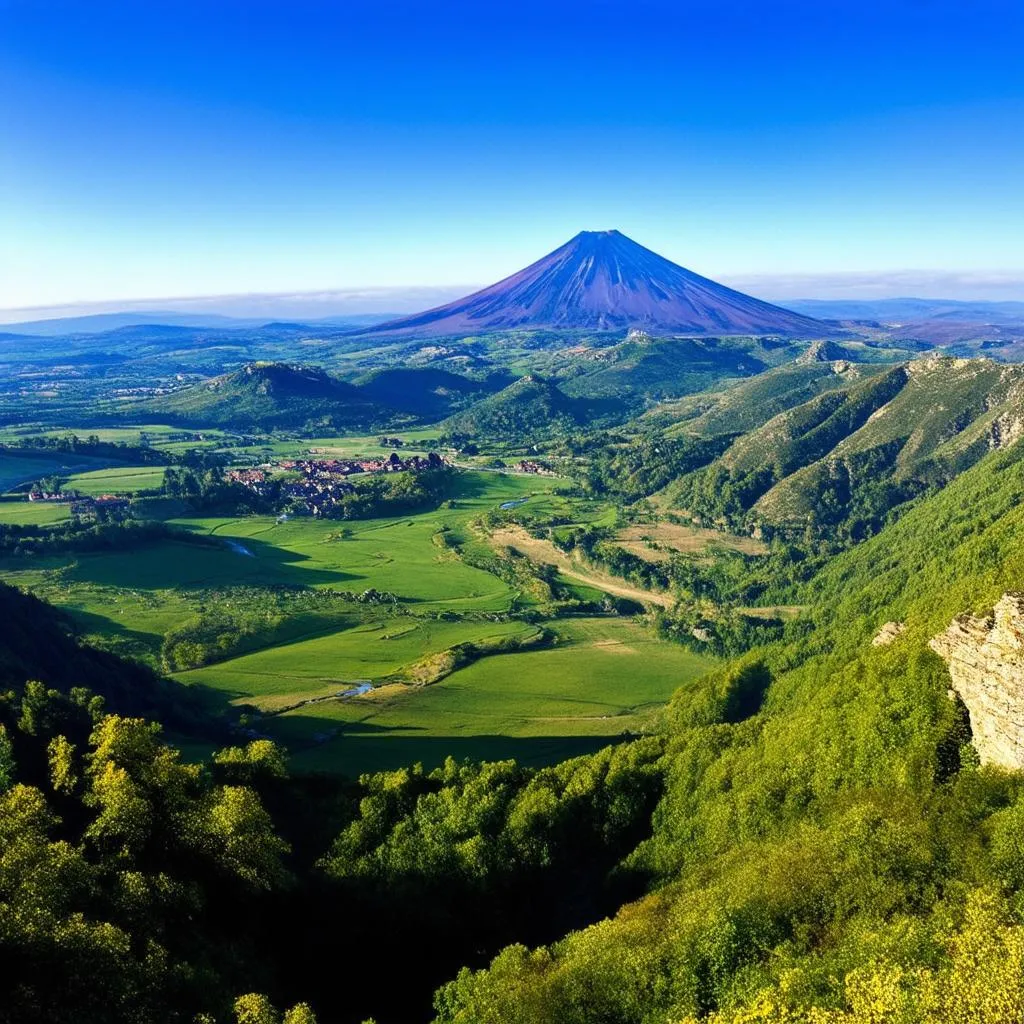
column 152, row 148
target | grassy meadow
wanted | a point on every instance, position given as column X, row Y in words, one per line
column 566, row 686
column 603, row 678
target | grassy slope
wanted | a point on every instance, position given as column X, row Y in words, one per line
column 750, row 403
column 911, row 427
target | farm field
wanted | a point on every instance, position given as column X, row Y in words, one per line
column 545, row 552
column 655, row 542
column 22, row 512
column 118, row 480
column 320, row 665
column 602, row 679
column 589, row 681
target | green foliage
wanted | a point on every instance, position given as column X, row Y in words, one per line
column 529, row 407
column 635, row 467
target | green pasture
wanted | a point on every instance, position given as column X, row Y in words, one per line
column 131, row 598
column 22, row 512
column 119, row 480
column 319, row 665
column 603, row 678
column 354, row 446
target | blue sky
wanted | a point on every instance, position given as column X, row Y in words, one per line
column 164, row 149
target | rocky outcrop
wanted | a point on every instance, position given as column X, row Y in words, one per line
column 985, row 657
column 887, row 634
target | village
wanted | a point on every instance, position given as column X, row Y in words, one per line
column 100, row 507
column 319, row 484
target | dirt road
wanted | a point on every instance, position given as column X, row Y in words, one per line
column 546, row 552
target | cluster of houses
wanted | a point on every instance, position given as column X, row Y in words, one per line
column 323, row 469
column 112, row 505
column 535, row 467
column 83, row 505
column 322, row 483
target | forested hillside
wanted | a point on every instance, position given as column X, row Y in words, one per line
column 810, row 838
column 826, row 848
column 838, row 464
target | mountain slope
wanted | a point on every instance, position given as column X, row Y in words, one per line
column 604, row 281
column 750, row 403
column 531, row 405
column 268, row 395
column 832, row 854
column 423, row 391
column 850, row 455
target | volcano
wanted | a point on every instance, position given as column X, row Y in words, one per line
column 604, row 281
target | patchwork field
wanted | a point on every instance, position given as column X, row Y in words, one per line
column 119, row 480
column 458, row 662
column 545, row 552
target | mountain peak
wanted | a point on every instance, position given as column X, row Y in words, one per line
column 604, row 281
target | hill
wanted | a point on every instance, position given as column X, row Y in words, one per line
column 604, row 281
column 427, row 392
column 845, row 458
column 826, row 849
column 268, row 395
column 749, row 403
column 530, row 406
column 39, row 643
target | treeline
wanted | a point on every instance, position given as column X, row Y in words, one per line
column 40, row 642
column 394, row 494
column 849, row 500
column 72, row 444
column 137, row 887
column 28, row 540
column 113, row 851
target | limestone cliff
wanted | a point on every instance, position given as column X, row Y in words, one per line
column 986, row 663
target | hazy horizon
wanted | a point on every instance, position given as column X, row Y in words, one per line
column 341, row 302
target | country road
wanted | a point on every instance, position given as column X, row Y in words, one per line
column 545, row 552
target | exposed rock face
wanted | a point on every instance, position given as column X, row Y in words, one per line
column 986, row 663
column 887, row 634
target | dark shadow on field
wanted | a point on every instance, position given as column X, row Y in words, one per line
column 470, row 485
column 101, row 625
column 197, row 566
column 358, row 747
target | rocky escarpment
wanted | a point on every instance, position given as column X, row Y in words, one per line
column 986, row 663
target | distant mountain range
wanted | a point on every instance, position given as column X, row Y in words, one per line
column 604, row 281
column 911, row 309
column 100, row 323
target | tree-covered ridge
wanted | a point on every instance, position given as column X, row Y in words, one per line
column 841, row 462
column 531, row 406
column 268, row 396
